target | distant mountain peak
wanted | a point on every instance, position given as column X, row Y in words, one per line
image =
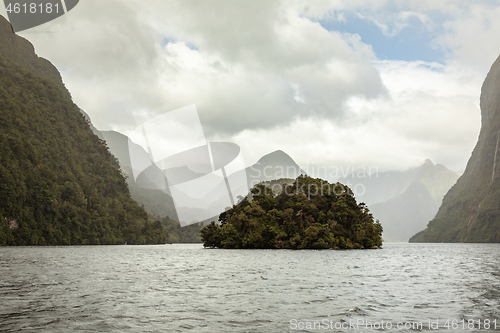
column 277, row 157
column 275, row 165
column 428, row 162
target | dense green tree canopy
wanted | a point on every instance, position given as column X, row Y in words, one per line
column 309, row 214
column 58, row 182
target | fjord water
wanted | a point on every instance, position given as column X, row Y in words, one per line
column 186, row 288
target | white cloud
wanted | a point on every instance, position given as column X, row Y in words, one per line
column 266, row 75
column 472, row 35
column 432, row 112
column 244, row 59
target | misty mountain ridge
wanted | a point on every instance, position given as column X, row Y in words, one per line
column 404, row 201
column 157, row 199
column 407, row 213
column 383, row 186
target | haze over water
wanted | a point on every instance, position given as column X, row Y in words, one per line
column 185, row 288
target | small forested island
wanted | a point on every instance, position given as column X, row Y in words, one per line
column 308, row 214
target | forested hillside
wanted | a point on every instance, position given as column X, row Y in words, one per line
column 58, row 182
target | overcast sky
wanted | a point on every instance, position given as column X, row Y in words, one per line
column 332, row 83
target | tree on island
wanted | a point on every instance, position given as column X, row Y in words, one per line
column 309, row 214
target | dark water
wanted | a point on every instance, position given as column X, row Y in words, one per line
column 185, row 288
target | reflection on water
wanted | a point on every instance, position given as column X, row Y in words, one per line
column 178, row 288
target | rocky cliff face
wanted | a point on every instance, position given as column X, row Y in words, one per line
column 470, row 211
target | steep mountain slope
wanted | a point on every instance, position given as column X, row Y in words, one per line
column 470, row 211
column 58, row 182
column 274, row 165
column 160, row 203
column 384, row 186
column 156, row 202
column 21, row 52
column 407, row 213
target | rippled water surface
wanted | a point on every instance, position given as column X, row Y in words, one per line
column 185, row 288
